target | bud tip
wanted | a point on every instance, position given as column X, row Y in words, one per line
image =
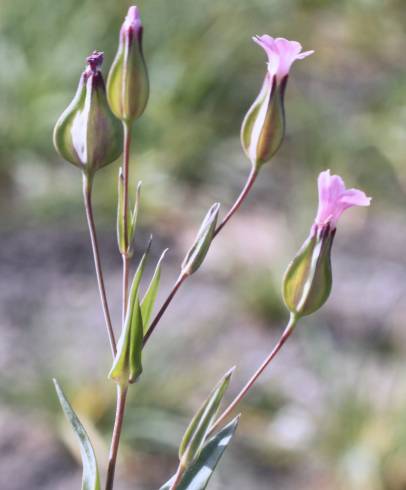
column 133, row 19
column 95, row 60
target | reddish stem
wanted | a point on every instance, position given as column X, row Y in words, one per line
column 247, row 187
column 284, row 337
column 87, row 197
column 118, row 424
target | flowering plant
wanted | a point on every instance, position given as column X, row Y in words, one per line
column 93, row 132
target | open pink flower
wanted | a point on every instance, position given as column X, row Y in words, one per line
column 334, row 199
column 281, row 54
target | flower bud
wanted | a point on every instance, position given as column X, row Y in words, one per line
column 308, row 280
column 263, row 128
column 87, row 134
column 127, row 83
column 198, row 251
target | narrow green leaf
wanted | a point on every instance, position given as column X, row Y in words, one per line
column 197, row 253
column 132, row 224
column 199, row 473
column 127, row 364
column 148, row 301
column 196, row 433
column 136, row 338
column 90, row 477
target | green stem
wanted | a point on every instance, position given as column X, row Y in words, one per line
column 87, row 197
column 121, row 390
column 241, row 395
column 126, row 173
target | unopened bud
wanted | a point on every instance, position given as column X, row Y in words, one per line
column 127, row 83
column 87, row 134
column 197, row 253
column 308, row 279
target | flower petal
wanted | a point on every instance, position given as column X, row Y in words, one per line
column 334, row 198
column 281, row 54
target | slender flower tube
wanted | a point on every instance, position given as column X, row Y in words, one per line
column 127, row 83
column 87, row 134
column 263, row 128
column 308, row 279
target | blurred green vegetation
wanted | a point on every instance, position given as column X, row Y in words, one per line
column 345, row 105
column 346, row 110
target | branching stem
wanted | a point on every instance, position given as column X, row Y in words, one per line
column 243, row 194
column 178, row 477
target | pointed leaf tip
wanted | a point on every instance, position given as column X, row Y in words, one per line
column 90, row 476
column 149, row 299
column 198, row 430
column 127, row 365
column 198, row 475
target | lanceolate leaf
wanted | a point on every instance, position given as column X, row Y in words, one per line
column 196, row 433
column 90, row 478
column 127, row 365
column 134, row 217
column 199, row 473
column 148, row 301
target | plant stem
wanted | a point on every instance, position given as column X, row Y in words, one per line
column 115, row 441
column 247, row 187
column 121, row 390
column 163, row 308
column 87, row 197
column 126, row 172
column 178, row 477
column 284, row 337
column 240, row 199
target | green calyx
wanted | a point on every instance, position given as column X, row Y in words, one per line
column 263, row 127
column 308, row 280
column 87, row 134
column 127, row 82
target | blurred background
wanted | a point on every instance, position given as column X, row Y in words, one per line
column 330, row 414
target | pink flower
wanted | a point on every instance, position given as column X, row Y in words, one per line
column 334, row 199
column 281, row 54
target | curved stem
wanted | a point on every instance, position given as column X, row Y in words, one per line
column 163, row 308
column 126, row 172
column 240, row 199
column 87, row 197
column 284, row 337
column 118, row 424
